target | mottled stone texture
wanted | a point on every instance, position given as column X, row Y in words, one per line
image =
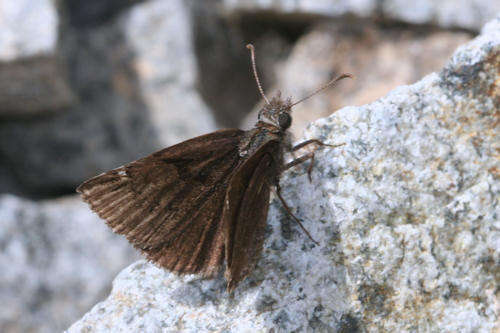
column 416, row 197
column 406, row 214
column 56, row 259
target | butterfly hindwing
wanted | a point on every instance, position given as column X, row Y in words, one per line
column 245, row 212
column 170, row 203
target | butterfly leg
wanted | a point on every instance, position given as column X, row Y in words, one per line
column 309, row 156
column 313, row 141
column 289, row 211
column 298, row 161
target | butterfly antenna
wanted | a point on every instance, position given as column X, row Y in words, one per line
column 331, row 83
column 252, row 55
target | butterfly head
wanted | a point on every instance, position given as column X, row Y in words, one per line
column 277, row 111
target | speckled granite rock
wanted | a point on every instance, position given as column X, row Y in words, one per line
column 57, row 259
column 446, row 13
column 406, row 214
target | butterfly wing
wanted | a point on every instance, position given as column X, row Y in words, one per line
column 169, row 204
column 245, row 212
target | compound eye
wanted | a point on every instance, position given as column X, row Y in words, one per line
column 284, row 120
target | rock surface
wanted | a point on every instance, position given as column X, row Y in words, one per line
column 56, row 259
column 406, row 214
column 27, row 28
column 134, row 79
column 106, row 128
column 32, row 80
column 380, row 59
column 159, row 35
column 448, row 13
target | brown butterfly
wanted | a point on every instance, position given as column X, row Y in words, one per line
column 193, row 206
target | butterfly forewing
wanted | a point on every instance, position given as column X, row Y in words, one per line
column 169, row 204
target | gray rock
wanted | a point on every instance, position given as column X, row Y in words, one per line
column 27, row 28
column 106, row 128
column 330, row 8
column 134, row 78
column 32, row 79
column 380, row 59
column 449, row 13
column 57, row 259
column 406, row 214
column 88, row 13
column 224, row 77
column 159, row 35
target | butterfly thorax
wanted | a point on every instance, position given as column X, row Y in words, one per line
column 258, row 137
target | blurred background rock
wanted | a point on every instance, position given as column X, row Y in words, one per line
column 88, row 85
